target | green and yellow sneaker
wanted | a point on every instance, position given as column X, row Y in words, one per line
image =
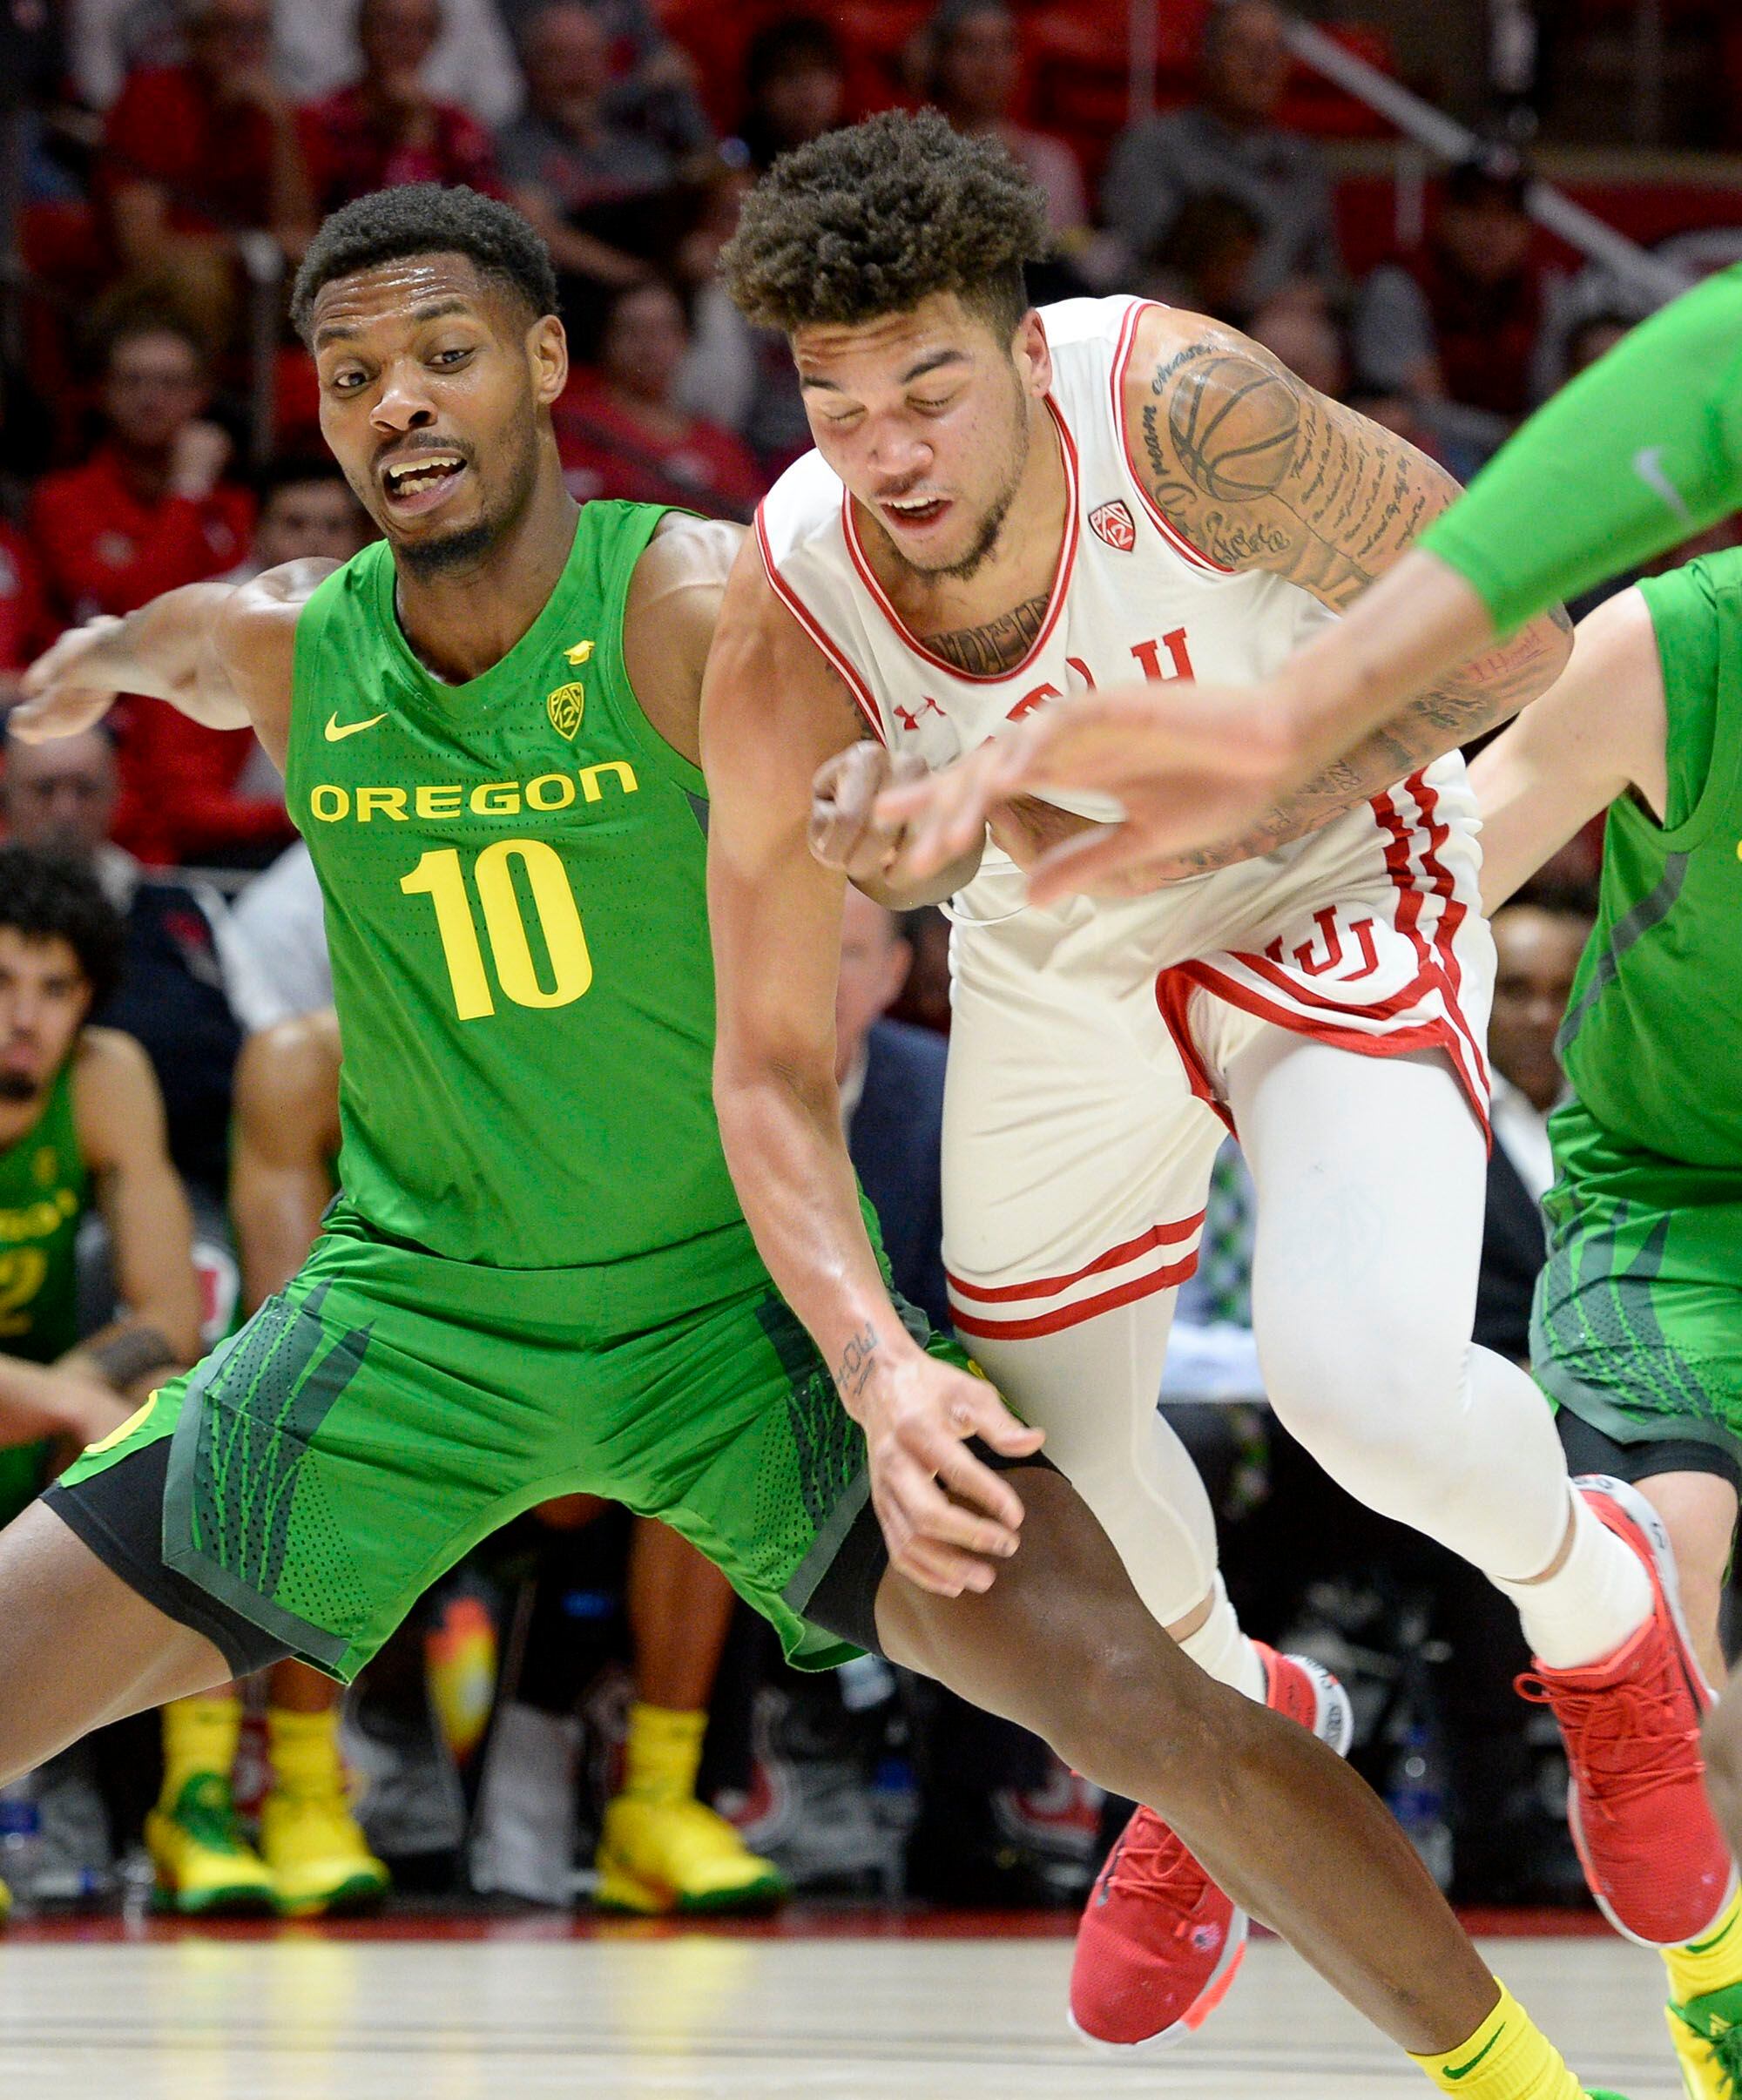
column 657, row 1857
column 1707, row 2035
column 204, row 1864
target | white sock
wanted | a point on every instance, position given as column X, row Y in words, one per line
column 1599, row 1599
column 1221, row 1650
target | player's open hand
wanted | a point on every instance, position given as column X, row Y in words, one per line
column 947, row 1517
column 1192, row 765
column 69, row 686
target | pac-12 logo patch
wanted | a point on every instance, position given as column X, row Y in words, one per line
column 1113, row 523
column 566, row 705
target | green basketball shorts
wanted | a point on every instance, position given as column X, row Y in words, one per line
column 1637, row 1326
column 390, row 1408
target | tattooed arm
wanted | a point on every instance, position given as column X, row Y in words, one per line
column 1259, row 472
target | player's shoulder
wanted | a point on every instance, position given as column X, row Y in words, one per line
column 113, row 1088
column 688, row 550
column 802, row 509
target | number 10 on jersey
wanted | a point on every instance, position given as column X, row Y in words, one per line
column 439, row 877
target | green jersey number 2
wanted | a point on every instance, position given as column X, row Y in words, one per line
column 439, row 877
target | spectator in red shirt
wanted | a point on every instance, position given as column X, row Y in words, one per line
column 195, row 154
column 148, row 513
column 387, row 129
column 621, row 431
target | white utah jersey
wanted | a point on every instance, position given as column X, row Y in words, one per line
column 1132, row 597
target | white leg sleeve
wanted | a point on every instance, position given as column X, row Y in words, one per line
column 1093, row 1388
column 1371, row 1188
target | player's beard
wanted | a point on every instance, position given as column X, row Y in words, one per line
column 992, row 524
column 471, row 546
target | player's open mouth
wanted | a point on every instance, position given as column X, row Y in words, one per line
column 908, row 513
column 420, row 482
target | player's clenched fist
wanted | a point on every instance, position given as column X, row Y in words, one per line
column 947, row 1517
column 845, row 830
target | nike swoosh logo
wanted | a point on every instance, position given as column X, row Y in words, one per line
column 1648, row 464
column 337, row 731
column 1463, row 2071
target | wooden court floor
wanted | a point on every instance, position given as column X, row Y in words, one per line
column 519, row 2011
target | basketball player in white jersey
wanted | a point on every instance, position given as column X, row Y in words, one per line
column 1006, row 506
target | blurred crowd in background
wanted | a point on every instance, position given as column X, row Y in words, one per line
column 166, row 163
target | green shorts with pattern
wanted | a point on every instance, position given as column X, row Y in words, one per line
column 1636, row 1327
column 389, row 1409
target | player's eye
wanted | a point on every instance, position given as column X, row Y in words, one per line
column 455, row 354
column 933, row 408
column 345, row 381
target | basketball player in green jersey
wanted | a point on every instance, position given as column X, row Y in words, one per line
column 81, row 1127
column 539, row 1278
column 662, row 1849
column 1637, row 1331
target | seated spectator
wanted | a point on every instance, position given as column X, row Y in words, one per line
column 740, row 376
column 280, row 934
column 179, row 959
column 584, row 178
column 471, row 61
column 194, row 154
column 1202, row 258
column 891, row 1079
column 794, row 87
column 81, row 1131
column 622, row 433
column 1459, row 321
column 386, row 128
column 1297, row 327
column 151, row 509
column 149, row 512
column 975, row 72
column 1228, row 141
column 306, row 511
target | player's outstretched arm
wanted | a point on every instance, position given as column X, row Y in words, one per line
column 772, row 714
column 1261, row 473
column 220, row 652
column 1598, row 730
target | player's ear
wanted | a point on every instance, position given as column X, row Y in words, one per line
column 1033, row 353
column 547, row 350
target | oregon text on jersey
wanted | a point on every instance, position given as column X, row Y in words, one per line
column 431, row 802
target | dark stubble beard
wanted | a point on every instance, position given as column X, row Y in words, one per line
column 472, row 544
column 992, row 525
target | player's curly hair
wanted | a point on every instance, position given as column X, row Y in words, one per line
column 427, row 219
column 870, row 220
column 46, row 896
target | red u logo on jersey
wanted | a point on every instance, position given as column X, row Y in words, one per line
column 1312, row 963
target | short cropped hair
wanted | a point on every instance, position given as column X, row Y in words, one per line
column 46, row 896
column 869, row 221
column 427, row 219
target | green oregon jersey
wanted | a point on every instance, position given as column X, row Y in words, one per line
column 514, row 872
column 44, row 1189
column 1653, row 1040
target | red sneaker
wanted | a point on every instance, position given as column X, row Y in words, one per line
column 1159, row 1944
column 1652, row 1851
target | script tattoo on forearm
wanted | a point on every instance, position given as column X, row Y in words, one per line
column 998, row 646
column 853, row 1371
